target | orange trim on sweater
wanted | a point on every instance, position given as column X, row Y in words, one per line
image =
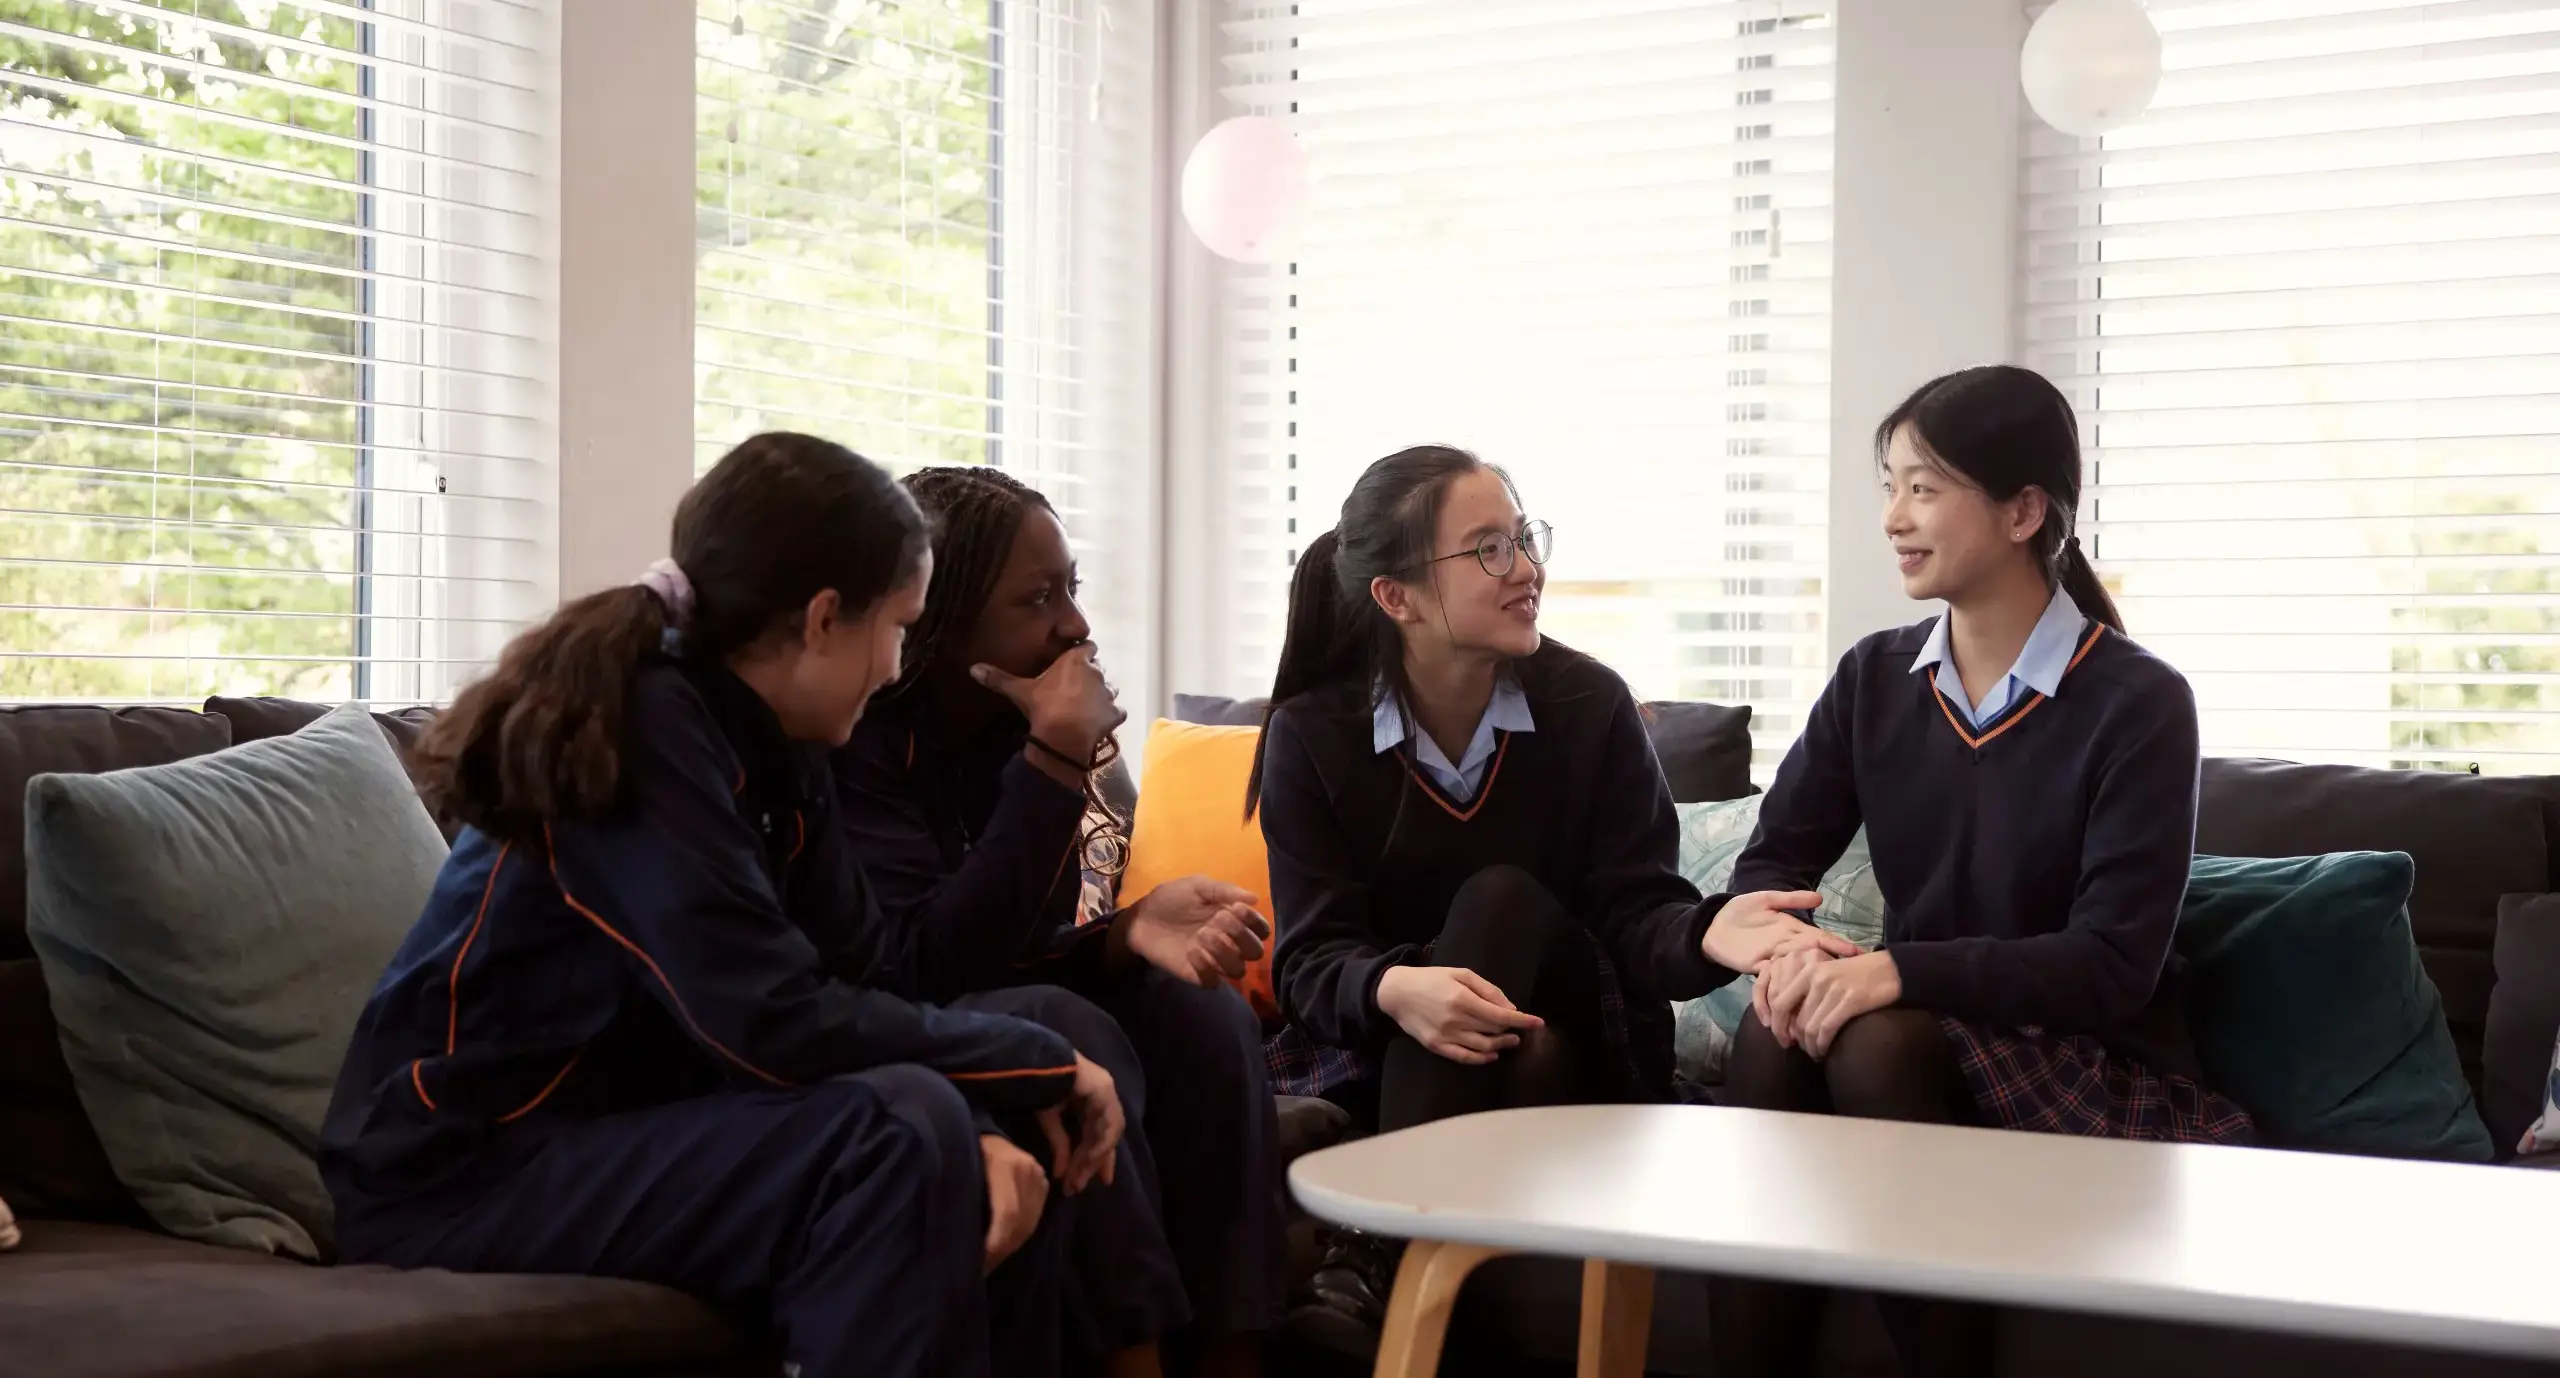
column 1482, row 794
column 633, row 948
column 1977, row 743
column 415, row 1081
column 453, row 983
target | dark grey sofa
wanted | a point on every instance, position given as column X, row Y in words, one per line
column 96, row 1293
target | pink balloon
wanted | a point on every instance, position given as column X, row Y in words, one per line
column 1244, row 189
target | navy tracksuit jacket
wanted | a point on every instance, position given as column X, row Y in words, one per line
column 625, row 1048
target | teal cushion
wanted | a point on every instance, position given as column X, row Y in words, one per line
column 2309, row 1006
column 209, row 931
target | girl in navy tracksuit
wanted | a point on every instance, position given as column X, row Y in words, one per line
column 1472, row 847
column 967, row 792
column 620, row 1040
column 2027, row 779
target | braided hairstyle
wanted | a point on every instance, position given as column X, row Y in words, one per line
column 976, row 512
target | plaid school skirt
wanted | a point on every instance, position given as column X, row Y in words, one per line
column 2025, row 1078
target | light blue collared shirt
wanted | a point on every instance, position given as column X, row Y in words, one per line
column 2041, row 662
column 1508, row 712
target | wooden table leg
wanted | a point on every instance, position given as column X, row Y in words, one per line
column 1418, row 1316
column 1617, row 1319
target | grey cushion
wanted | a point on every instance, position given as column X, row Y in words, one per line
column 1209, row 710
column 209, row 931
column 255, row 720
column 42, row 738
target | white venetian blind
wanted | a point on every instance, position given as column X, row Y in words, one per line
column 925, row 230
column 271, row 387
column 2309, row 309
column 1590, row 240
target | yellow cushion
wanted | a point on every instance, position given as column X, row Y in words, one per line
column 1190, row 822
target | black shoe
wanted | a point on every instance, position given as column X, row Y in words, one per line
column 1345, row 1303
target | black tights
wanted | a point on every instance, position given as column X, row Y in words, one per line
column 1505, row 927
column 1890, row 1065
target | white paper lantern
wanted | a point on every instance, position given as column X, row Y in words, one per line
column 1244, row 189
column 2090, row 66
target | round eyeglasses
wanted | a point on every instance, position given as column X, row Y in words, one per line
column 1499, row 554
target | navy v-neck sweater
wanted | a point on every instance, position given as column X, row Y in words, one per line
column 1366, row 855
column 2032, row 868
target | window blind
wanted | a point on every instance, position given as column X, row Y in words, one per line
column 1590, row 240
column 925, row 230
column 271, row 390
column 2307, row 308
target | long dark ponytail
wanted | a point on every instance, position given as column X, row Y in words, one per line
column 2007, row 429
column 1337, row 632
column 776, row 522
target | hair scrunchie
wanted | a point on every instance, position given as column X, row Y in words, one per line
column 665, row 579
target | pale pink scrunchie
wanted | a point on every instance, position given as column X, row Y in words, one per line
column 665, row 578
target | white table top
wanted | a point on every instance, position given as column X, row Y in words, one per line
column 2419, row 1253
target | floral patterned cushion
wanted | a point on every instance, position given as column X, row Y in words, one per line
column 1712, row 837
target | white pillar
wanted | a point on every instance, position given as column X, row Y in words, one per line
column 626, row 186
column 1198, row 557
column 1924, row 248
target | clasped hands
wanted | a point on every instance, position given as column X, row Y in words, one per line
column 1810, row 983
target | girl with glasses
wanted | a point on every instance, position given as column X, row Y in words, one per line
column 1471, row 844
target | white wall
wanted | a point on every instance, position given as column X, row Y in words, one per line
column 626, row 283
column 1195, row 495
column 1923, row 271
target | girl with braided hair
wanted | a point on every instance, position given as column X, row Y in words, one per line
column 968, row 792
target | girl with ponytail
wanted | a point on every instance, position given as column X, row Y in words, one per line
column 2026, row 776
column 1471, row 844
column 633, row 1034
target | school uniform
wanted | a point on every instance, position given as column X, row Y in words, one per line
column 1544, row 853
column 975, row 855
column 618, row 1048
column 2033, row 851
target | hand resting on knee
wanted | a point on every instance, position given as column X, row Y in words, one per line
column 1016, row 1191
column 1809, row 996
column 1453, row 1012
